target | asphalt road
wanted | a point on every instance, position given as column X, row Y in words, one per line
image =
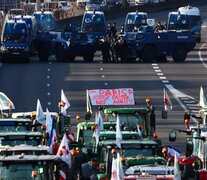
column 25, row 83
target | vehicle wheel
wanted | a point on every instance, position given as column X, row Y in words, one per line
column 88, row 58
column 148, row 54
column 60, row 53
column 71, row 58
column 180, row 53
column 26, row 60
column 161, row 58
column 43, row 56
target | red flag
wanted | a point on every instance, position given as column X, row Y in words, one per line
column 167, row 102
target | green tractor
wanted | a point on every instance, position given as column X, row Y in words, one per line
column 135, row 150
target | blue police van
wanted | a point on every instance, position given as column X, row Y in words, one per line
column 15, row 41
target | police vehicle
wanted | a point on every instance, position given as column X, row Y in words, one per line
column 194, row 18
column 15, row 41
column 135, row 20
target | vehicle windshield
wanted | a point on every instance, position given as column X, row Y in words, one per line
column 24, row 171
column 16, row 142
column 132, row 21
column 94, row 23
column 137, row 152
column 131, row 120
column 15, row 32
column 195, row 23
column 14, row 128
column 178, row 22
column 44, row 21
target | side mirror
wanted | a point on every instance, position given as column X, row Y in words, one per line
column 189, row 146
column 172, row 136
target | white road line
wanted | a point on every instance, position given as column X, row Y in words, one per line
column 48, row 93
column 106, row 84
column 173, row 92
column 200, row 55
column 162, row 77
column 49, row 103
column 160, row 74
column 156, row 67
column 48, row 77
column 165, row 81
column 103, row 76
column 48, row 69
column 101, row 69
column 154, row 64
column 189, row 101
column 48, row 84
column 192, row 105
column 157, row 70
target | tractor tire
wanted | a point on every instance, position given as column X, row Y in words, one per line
column 60, row 54
column 180, row 53
column 148, row 54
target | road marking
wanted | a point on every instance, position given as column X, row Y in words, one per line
column 189, row 101
column 49, row 103
column 106, row 84
column 101, row 69
column 178, row 95
column 48, row 69
column 200, row 55
column 157, row 70
column 48, row 93
column 103, row 76
column 48, row 84
column 48, row 77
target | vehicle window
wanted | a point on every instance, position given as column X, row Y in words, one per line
column 137, row 152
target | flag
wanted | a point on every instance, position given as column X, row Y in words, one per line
column 5, row 102
column 167, row 102
column 120, row 171
column 114, row 175
column 118, row 132
column 99, row 126
column 62, row 175
column 177, row 175
column 172, row 151
column 202, row 101
column 53, row 141
column 139, row 132
column 39, row 113
column 100, row 121
column 96, row 131
column 88, row 103
column 64, row 148
column 49, row 121
column 64, row 103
